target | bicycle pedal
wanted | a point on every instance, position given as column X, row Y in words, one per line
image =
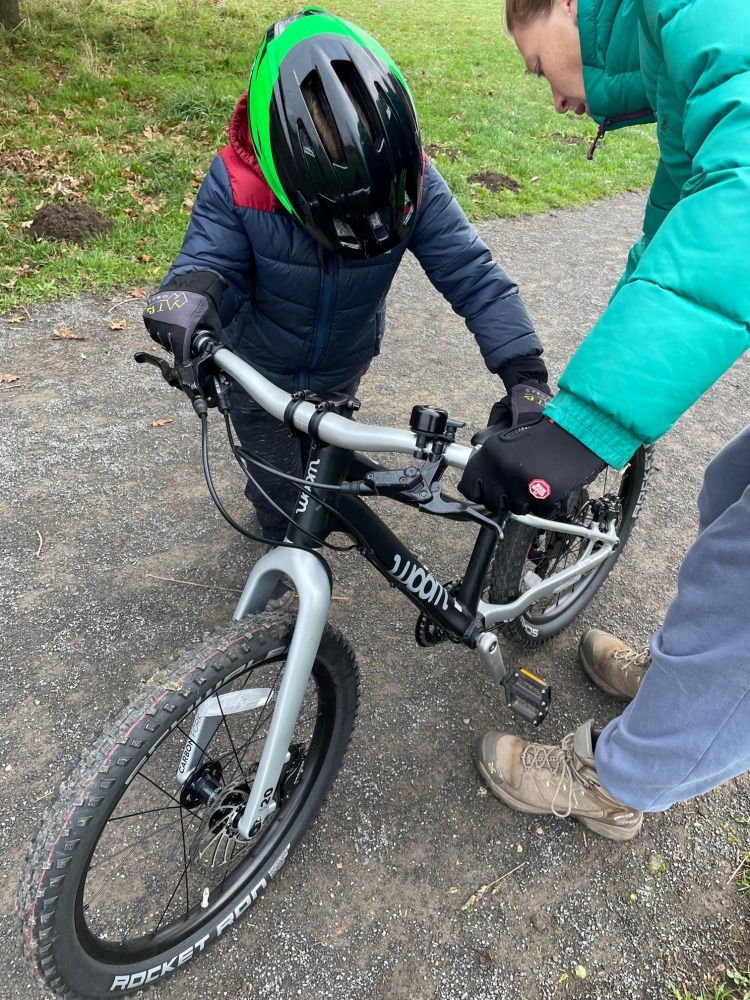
column 527, row 695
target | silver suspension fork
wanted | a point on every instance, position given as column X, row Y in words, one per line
column 309, row 574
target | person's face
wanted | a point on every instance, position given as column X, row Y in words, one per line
column 551, row 48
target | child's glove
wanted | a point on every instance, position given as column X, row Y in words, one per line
column 524, row 403
column 189, row 302
column 516, row 407
column 528, row 469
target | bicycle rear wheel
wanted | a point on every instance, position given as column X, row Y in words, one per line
column 526, row 555
column 132, row 874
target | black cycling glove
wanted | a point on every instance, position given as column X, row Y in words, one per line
column 189, row 302
column 528, row 469
column 525, row 369
column 524, row 403
column 516, row 407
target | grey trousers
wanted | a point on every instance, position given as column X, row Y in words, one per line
column 688, row 729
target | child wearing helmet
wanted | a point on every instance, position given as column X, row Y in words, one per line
column 299, row 228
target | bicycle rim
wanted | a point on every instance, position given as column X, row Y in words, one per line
column 155, row 870
column 530, row 556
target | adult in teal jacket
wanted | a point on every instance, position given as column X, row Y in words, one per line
column 678, row 319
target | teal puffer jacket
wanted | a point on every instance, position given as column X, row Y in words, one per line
column 681, row 312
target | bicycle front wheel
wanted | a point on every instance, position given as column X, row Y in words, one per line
column 526, row 555
column 133, row 874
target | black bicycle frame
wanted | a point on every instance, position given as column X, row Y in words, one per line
column 313, row 521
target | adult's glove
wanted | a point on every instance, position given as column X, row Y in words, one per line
column 189, row 302
column 529, row 469
column 520, row 407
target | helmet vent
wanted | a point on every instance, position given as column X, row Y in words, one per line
column 314, row 96
column 346, row 234
column 361, row 99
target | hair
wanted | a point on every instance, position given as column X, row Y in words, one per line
column 322, row 115
column 519, row 13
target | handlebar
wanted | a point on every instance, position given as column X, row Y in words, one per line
column 331, row 427
column 345, row 433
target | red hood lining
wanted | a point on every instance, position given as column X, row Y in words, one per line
column 239, row 137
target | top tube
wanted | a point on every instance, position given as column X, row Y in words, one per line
column 332, row 428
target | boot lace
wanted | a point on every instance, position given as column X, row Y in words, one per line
column 560, row 762
column 632, row 659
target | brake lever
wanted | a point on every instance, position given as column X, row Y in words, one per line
column 203, row 388
column 167, row 371
column 456, row 510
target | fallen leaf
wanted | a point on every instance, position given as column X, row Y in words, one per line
column 137, row 293
column 65, row 333
column 9, row 378
column 15, row 319
column 161, row 422
column 145, row 257
column 117, row 325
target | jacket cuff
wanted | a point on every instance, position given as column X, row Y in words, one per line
column 600, row 432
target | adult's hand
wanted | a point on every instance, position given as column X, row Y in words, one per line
column 529, row 469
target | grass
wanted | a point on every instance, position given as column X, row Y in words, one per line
column 736, row 986
column 123, row 106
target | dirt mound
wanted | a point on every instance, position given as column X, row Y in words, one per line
column 495, row 182
column 70, row 220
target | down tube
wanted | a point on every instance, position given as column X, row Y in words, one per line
column 402, row 568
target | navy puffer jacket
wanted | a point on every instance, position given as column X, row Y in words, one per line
column 307, row 318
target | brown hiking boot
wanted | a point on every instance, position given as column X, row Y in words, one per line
column 561, row 781
column 612, row 665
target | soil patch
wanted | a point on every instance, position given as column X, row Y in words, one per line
column 570, row 140
column 495, row 182
column 69, row 220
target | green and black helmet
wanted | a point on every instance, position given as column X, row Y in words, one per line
column 336, row 134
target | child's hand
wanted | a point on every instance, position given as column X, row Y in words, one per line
column 187, row 303
column 172, row 319
column 524, row 402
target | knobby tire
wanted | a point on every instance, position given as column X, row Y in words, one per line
column 126, row 880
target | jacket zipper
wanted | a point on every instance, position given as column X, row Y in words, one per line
column 329, row 266
column 614, row 120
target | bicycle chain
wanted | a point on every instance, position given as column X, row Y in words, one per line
column 427, row 632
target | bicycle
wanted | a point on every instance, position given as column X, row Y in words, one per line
column 190, row 802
